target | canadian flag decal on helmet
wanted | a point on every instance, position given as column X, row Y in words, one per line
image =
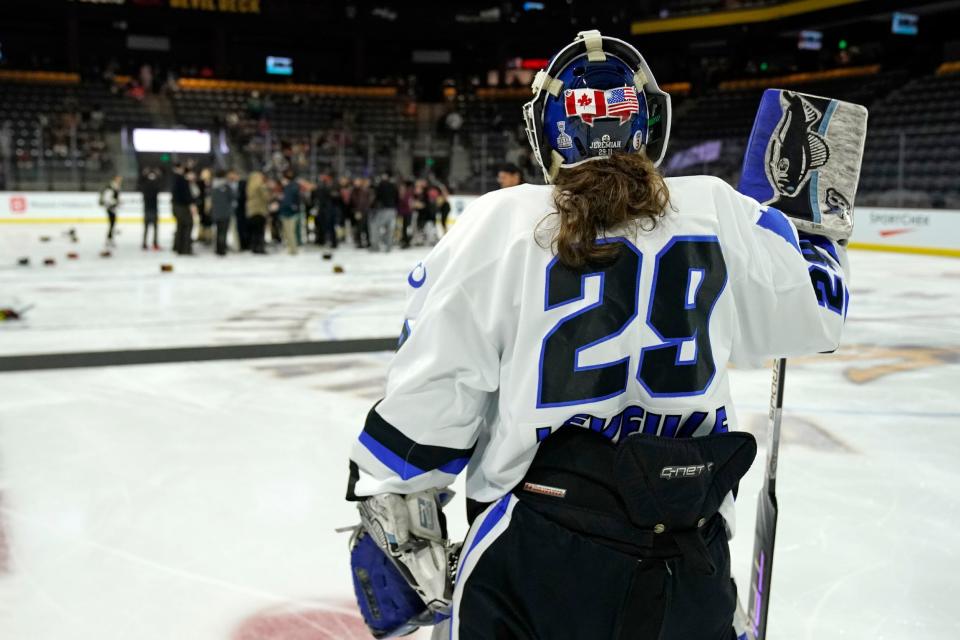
column 588, row 104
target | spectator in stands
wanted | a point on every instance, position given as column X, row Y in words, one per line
column 223, row 202
column 383, row 224
column 150, row 189
column 509, row 175
column 146, row 78
column 289, row 210
column 361, row 199
column 110, row 200
column 184, row 207
column 259, row 196
column 97, row 117
column 254, row 106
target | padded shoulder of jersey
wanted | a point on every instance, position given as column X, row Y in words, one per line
column 512, row 210
column 699, row 192
column 685, row 184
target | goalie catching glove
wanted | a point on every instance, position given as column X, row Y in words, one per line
column 804, row 157
column 401, row 561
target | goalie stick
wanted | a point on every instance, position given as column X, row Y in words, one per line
column 803, row 158
column 765, row 532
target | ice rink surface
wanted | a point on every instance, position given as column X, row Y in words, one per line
column 198, row 501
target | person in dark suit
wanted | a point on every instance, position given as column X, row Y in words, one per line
column 150, row 189
column 223, row 204
column 240, row 213
column 181, row 198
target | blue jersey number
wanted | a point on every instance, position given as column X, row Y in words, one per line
column 689, row 276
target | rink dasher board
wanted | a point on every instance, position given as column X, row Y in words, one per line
column 908, row 230
column 55, row 207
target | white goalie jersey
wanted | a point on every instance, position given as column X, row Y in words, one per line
column 502, row 344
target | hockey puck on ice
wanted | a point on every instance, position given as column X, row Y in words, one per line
column 49, row 262
column 24, row 262
column 44, row 238
column 337, row 268
column 105, row 254
column 73, row 255
column 166, row 268
column 327, row 255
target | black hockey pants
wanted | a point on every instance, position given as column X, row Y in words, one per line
column 603, row 542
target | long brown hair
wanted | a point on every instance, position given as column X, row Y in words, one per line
column 600, row 195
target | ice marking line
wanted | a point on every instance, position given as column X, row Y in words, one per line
column 34, row 362
column 854, row 412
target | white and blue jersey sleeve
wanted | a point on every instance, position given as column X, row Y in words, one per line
column 790, row 290
column 444, row 374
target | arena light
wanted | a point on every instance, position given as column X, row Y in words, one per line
column 171, row 141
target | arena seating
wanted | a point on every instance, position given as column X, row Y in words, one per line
column 46, row 114
column 912, row 154
column 298, row 118
column 915, row 128
column 727, row 113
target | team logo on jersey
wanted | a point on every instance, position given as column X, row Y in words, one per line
column 796, row 148
column 418, row 276
column 564, row 141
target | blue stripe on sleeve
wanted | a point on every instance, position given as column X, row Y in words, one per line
column 773, row 220
column 391, row 460
column 404, row 468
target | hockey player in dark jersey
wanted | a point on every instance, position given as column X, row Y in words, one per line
column 569, row 345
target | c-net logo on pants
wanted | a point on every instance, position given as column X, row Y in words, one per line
column 691, row 471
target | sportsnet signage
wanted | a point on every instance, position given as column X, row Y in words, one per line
column 588, row 104
column 912, row 230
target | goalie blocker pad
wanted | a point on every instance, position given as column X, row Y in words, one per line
column 803, row 158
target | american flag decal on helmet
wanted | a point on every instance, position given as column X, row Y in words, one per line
column 622, row 103
column 588, row 104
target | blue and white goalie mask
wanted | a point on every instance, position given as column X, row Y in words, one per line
column 597, row 97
